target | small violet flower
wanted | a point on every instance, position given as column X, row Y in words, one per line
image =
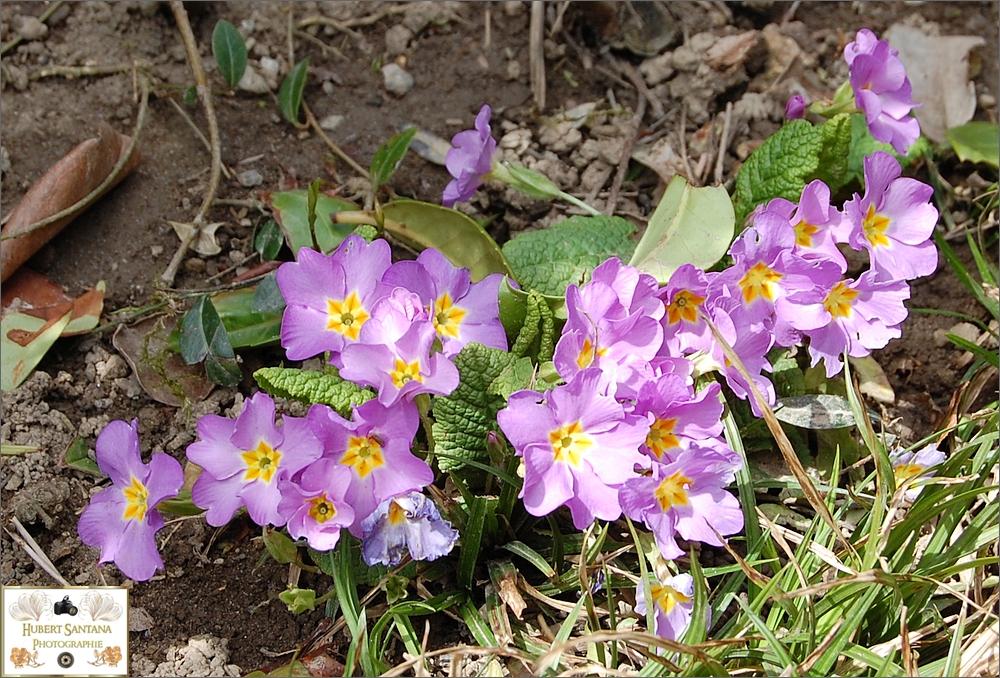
column 894, row 221
column 243, row 460
column 881, row 90
column 469, row 160
column 912, row 466
column 674, row 600
column 315, row 504
column 122, row 519
column 815, row 222
column 680, row 417
column 795, row 108
column 410, row 522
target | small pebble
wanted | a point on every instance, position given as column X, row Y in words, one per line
column 29, row 27
column 331, row 122
column 397, row 81
column 270, row 69
column 396, row 39
column 987, row 100
column 156, row 250
column 250, row 178
column 194, row 265
column 253, row 82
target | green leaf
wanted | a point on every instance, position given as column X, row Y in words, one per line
column 465, row 417
column 16, row 360
column 191, row 95
column 251, row 316
column 388, row 157
column 204, row 337
column 836, row 139
column 267, row 297
column 464, row 242
column 181, row 505
column 980, row 351
column 815, row 411
column 778, row 168
column 269, row 240
column 532, row 556
column 290, row 94
column 690, row 226
column 280, row 546
column 551, row 259
column 291, row 210
column 298, row 600
column 976, row 141
column 472, row 537
column 78, row 456
column 312, row 388
column 515, row 377
column 527, row 181
column 230, row 52
column 863, row 144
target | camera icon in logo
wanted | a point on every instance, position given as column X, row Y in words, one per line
column 65, row 606
column 65, row 659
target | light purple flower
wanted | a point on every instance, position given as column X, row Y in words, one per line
column 460, row 310
column 469, row 160
column 795, row 108
column 579, row 445
column 329, row 298
column 882, row 90
column 856, row 316
column 679, row 416
column 122, row 519
column 315, row 505
column 674, row 600
column 685, row 497
column 894, row 221
column 393, row 352
column 684, row 330
column 375, row 448
column 242, row 461
column 815, row 223
column 913, row 466
column 411, row 522
column 637, row 292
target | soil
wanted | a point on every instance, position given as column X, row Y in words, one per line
column 213, row 584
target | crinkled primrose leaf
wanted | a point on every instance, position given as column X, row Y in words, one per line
column 551, row 259
column 465, row 417
column 312, row 388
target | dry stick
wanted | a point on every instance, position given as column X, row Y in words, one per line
column 205, row 94
column 43, row 17
column 112, row 176
column 723, row 142
column 326, row 21
column 636, row 79
column 682, row 132
column 616, row 185
column 198, row 133
column 322, row 45
column 35, row 551
column 71, row 72
column 311, row 121
column 784, row 445
column 536, row 53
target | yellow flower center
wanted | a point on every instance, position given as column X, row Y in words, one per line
column 136, row 496
column 447, row 316
column 804, row 232
column 321, row 510
column 346, row 316
column 587, row 354
column 661, row 437
column 262, row 462
column 838, row 300
column 397, row 513
column 404, row 373
column 672, row 491
column 759, row 281
column 667, row 597
column 875, row 225
column 904, row 471
column 569, row 443
column 684, row 307
column 364, row 454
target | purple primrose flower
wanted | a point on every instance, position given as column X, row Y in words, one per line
column 815, row 223
column 122, row 519
column 411, row 522
column 674, row 600
column 913, row 466
column 795, row 108
column 469, row 160
column 680, row 417
column 314, row 503
column 242, row 461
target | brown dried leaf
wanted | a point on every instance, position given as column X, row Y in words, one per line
column 35, row 295
column 731, row 50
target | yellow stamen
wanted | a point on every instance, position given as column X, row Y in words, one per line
column 136, row 496
column 262, row 462
column 397, row 513
column 569, row 443
column 364, row 454
column 875, row 225
column 673, row 491
column 804, row 232
column 759, row 281
column 661, row 437
column 588, row 353
column 447, row 316
column 322, row 510
column 404, row 373
column 667, row 597
column 838, row 300
column 684, row 307
column 346, row 316
column 904, row 471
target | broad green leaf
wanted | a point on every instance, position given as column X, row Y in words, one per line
column 836, row 140
column 204, row 337
column 291, row 210
column 815, row 411
column 78, row 456
column 251, row 316
column 17, row 361
column 269, row 240
column 312, row 388
column 230, row 52
column 290, row 93
column 787, row 377
column 181, row 505
column 527, row 181
column 551, row 259
column 464, row 242
column 465, row 417
column 388, row 157
column 280, row 545
column 976, row 141
column 267, row 297
column 515, row 377
column 690, row 226
column 778, row 168
column 298, row 600
column 863, row 144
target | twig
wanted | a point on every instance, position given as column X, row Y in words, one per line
column 322, row 45
column 198, row 133
column 71, row 72
column 205, row 94
column 35, row 551
column 790, row 14
column 327, row 21
column 536, row 53
column 616, row 185
column 723, row 142
column 43, row 17
column 637, row 81
column 684, row 149
column 112, row 176
column 289, row 32
column 557, row 25
column 311, row 121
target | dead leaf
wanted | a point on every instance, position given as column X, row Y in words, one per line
column 507, row 588
column 731, row 51
column 162, row 373
column 17, row 359
column 938, row 69
column 36, row 295
column 205, row 244
column 661, row 158
column 68, row 181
